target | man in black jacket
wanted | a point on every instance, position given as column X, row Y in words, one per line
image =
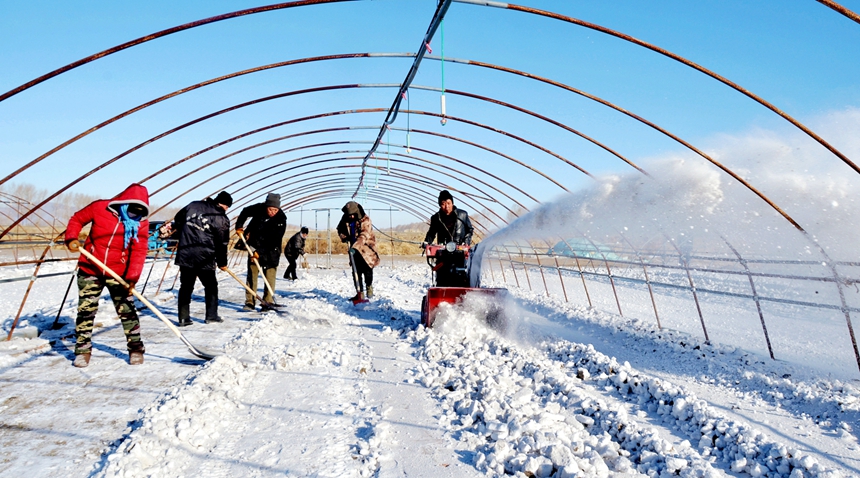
column 449, row 224
column 295, row 248
column 265, row 237
column 204, row 232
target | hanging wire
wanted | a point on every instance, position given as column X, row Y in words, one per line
column 376, row 173
column 408, row 127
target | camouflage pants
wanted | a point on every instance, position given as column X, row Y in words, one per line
column 89, row 291
column 269, row 275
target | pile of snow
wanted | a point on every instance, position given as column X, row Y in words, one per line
column 540, row 410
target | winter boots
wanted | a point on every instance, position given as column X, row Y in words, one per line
column 369, row 291
column 357, row 298
column 214, row 319
column 185, row 323
column 82, row 360
column 135, row 358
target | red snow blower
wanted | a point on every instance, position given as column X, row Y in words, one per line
column 450, row 264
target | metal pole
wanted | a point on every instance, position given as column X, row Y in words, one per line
column 647, row 279
column 692, row 288
column 391, row 232
column 27, row 293
column 525, row 269
column 174, row 281
column 164, row 274
column 743, row 262
column 651, row 292
column 492, row 274
column 540, row 267
column 582, row 276
column 154, row 260
column 561, row 279
column 511, row 261
column 612, row 281
column 317, row 242
column 502, row 268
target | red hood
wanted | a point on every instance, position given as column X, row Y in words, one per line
column 134, row 194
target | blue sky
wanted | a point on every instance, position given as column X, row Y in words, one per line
column 797, row 54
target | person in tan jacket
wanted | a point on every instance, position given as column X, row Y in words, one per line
column 356, row 228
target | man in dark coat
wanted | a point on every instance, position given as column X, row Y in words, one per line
column 204, row 232
column 265, row 237
column 356, row 228
column 295, row 248
column 118, row 237
column 449, row 224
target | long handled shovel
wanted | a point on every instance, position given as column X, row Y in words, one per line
column 265, row 282
column 194, row 350
column 252, row 291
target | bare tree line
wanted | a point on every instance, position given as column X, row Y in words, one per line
column 17, row 198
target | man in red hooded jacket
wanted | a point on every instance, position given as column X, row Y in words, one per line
column 119, row 238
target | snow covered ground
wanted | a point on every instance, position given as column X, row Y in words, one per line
column 323, row 388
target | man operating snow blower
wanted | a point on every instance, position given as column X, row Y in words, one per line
column 446, row 226
column 119, row 235
column 356, row 228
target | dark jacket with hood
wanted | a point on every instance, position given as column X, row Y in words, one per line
column 264, row 234
column 204, row 232
column 295, row 246
column 358, row 232
column 461, row 233
column 107, row 235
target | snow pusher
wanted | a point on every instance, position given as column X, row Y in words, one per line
column 198, row 351
column 450, row 265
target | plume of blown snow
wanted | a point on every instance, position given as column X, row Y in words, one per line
column 688, row 204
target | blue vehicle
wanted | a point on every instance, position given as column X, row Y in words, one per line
column 168, row 246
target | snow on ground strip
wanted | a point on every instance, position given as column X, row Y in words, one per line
column 193, row 427
column 507, row 406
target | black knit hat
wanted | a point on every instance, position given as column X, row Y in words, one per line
column 445, row 195
column 273, row 200
column 304, row 230
column 224, row 198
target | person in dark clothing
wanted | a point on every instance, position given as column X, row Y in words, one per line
column 356, row 228
column 295, row 248
column 449, row 224
column 204, row 232
column 118, row 236
column 265, row 237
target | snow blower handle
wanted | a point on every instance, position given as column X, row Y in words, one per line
column 147, row 303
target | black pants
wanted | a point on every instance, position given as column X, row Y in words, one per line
column 365, row 272
column 187, row 277
column 291, row 268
